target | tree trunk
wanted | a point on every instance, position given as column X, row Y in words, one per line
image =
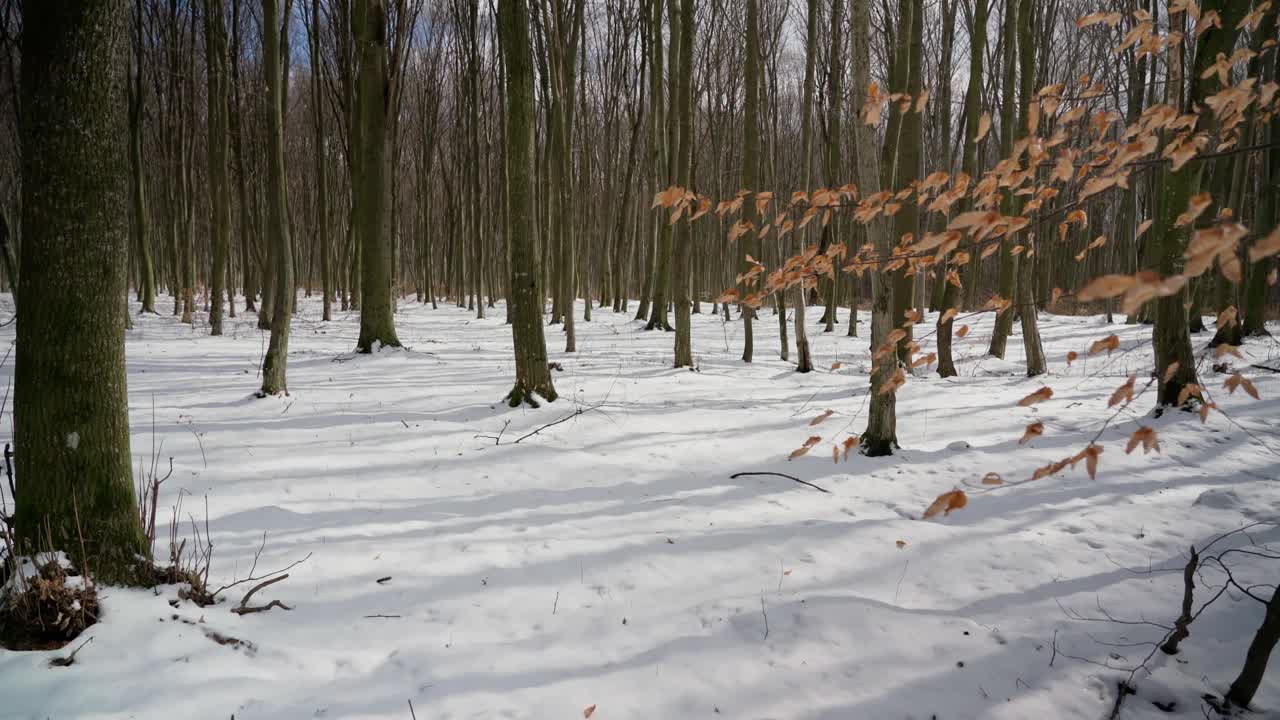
column 1171, row 335
column 274, row 364
column 750, row 163
column 369, row 192
column 71, row 414
column 881, row 435
column 219, row 197
column 969, row 164
column 533, row 376
column 1255, row 664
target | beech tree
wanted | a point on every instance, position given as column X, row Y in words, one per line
column 71, row 415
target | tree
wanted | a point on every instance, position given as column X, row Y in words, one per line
column 369, row 187
column 322, row 176
column 682, row 119
column 1175, row 364
column 1255, row 667
column 274, row 363
column 1026, row 301
column 219, row 190
column 881, row 435
column 969, row 165
column 137, row 185
column 533, row 376
column 1008, row 104
column 750, row 157
column 71, row 410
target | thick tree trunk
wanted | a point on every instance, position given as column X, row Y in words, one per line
column 369, row 192
column 71, row 414
column 1171, row 335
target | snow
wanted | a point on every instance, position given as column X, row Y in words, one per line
column 611, row 560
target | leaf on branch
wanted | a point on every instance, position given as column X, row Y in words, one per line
column 1107, row 286
column 1266, row 247
column 1195, row 208
column 1108, row 343
column 1144, row 436
column 1072, row 357
column 1038, row 396
column 992, row 479
column 892, row 384
column 1239, row 381
column 1033, row 431
column 984, row 127
column 962, row 331
column 1189, row 391
column 1169, row 371
column 818, row 420
column 1124, row 393
column 946, row 502
column 1111, row 19
column 849, row 444
column 804, row 449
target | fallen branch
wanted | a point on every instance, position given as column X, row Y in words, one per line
column 245, row 608
column 781, row 475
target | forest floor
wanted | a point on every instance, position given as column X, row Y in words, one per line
column 612, row 560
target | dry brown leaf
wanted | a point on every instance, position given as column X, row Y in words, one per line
column 591, row 710
column 992, row 479
column 1038, row 396
column 946, row 502
column 825, row 414
column 1124, row 393
column 1033, row 431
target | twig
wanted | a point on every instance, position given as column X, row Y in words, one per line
column 70, row 659
column 555, row 604
column 1054, row 644
column 766, row 619
column 566, row 418
column 781, row 475
column 412, row 714
column 381, row 616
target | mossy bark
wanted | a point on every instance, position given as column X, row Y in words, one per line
column 71, row 420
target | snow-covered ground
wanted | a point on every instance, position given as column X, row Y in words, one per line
column 610, row 560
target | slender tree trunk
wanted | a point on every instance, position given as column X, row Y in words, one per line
column 533, row 376
column 1255, row 665
column 219, row 197
column 1008, row 277
column 881, row 435
column 274, row 364
column 141, row 222
column 750, row 163
column 969, row 163
column 682, row 114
